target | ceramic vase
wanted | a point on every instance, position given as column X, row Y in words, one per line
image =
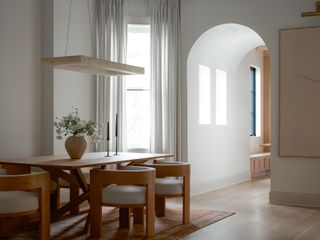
column 76, row 146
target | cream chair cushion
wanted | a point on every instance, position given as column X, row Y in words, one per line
column 124, row 195
column 18, row 201
column 168, row 186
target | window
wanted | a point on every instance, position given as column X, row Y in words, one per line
column 138, row 88
column 204, row 95
column 221, row 97
column 255, row 102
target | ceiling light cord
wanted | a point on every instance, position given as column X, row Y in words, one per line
column 67, row 42
column 91, row 33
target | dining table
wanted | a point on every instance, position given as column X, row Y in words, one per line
column 71, row 170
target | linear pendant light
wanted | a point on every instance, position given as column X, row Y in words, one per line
column 91, row 65
column 311, row 14
column 85, row 64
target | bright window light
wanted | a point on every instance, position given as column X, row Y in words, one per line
column 221, row 97
column 138, row 88
column 204, row 95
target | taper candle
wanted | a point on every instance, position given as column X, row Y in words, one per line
column 108, row 132
column 116, row 130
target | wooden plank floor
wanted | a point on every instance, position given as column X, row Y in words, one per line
column 255, row 218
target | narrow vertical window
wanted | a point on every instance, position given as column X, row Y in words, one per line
column 221, row 97
column 204, row 95
column 255, row 102
column 138, row 88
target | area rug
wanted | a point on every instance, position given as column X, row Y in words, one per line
column 169, row 227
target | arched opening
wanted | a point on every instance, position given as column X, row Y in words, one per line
column 226, row 74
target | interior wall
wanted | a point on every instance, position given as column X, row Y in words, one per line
column 73, row 89
column 20, row 78
column 297, row 175
column 222, row 149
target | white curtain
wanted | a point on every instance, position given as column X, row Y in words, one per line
column 165, row 76
column 111, row 43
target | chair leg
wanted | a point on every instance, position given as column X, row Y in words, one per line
column 95, row 212
column 44, row 214
column 138, row 215
column 186, row 200
column 124, row 217
column 160, row 206
column 186, row 210
column 150, row 219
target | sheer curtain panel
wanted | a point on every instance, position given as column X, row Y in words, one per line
column 165, row 76
column 111, row 43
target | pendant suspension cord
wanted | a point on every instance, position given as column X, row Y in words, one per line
column 91, row 34
column 70, row 5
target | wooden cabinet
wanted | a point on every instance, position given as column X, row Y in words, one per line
column 260, row 165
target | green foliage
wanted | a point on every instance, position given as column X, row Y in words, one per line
column 72, row 124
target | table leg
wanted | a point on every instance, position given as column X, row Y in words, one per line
column 74, row 193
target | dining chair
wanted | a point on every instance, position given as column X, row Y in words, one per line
column 172, row 180
column 125, row 188
column 27, row 194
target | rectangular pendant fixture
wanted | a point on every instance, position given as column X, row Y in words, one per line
column 85, row 64
column 311, row 14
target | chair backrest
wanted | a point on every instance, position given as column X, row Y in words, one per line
column 24, row 182
column 170, row 169
column 138, row 176
column 12, row 169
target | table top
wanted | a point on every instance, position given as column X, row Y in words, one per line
column 88, row 160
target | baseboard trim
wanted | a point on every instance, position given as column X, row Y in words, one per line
column 295, row 199
column 217, row 183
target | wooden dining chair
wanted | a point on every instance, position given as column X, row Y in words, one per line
column 17, row 200
column 129, row 187
column 172, row 180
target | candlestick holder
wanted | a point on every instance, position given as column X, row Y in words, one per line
column 108, row 149
column 116, row 153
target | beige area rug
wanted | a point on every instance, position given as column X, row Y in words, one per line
column 169, row 227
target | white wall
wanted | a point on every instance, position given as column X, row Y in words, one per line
column 266, row 18
column 220, row 154
column 20, row 78
column 73, row 89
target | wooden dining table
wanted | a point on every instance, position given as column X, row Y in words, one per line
column 71, row 170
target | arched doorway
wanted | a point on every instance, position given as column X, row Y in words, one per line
column 218, row 75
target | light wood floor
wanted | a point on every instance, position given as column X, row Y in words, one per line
column 255, row 218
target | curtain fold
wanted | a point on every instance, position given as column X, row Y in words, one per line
column 111, row 43
column 165, row 77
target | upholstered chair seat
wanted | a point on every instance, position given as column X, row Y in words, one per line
column 124, row 195
column 18, row 201
column 168, row 186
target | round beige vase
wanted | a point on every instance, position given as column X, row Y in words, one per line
column 75, row 146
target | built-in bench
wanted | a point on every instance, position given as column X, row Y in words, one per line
column 260, row 165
